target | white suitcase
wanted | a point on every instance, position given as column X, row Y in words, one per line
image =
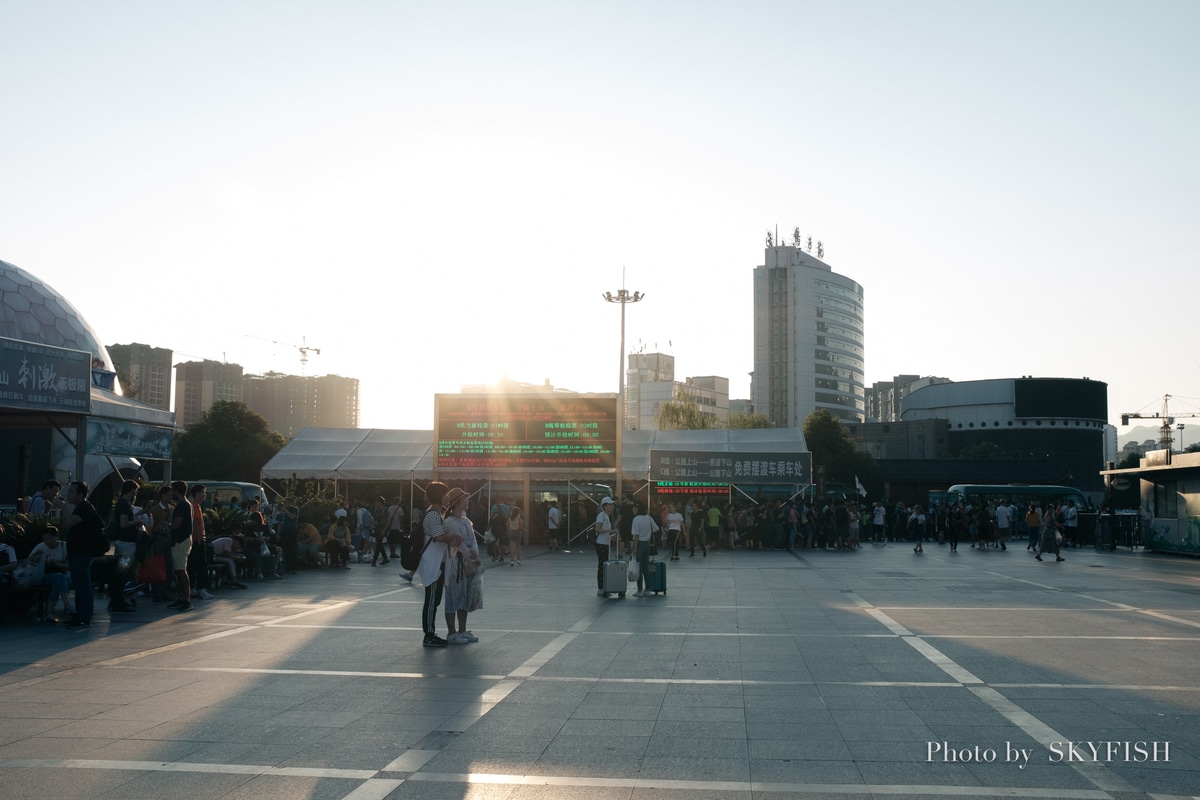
column 616, row 578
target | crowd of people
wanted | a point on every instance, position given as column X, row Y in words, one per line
column 161, row 552
column 160, row 549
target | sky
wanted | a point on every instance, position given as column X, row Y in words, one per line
column 439, row 194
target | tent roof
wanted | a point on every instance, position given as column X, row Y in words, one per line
column 354, row 454
column 108, row 405
column 635, row 456
column 380, row 454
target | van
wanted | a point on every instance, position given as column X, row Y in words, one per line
column 221, row 493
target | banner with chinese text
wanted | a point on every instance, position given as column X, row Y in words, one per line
column 684, row 465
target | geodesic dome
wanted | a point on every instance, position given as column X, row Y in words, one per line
column 33, row 312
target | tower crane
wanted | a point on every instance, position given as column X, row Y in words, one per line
column 303, row 348
column 1165, row 436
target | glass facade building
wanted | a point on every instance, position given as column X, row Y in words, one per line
column 808, row 339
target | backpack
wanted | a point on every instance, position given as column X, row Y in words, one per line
column 366, row 521
column 98, row 540
column 410, row 557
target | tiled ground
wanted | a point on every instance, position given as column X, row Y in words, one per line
column 762, row 674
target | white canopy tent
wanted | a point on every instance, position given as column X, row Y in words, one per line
column 354, row 454
column 635, row 457
column 377, row 454
column 340, row 454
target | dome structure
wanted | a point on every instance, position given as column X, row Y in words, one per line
column 30, row 310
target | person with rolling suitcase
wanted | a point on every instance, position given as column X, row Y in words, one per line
column 607, row 541
column 641, row 530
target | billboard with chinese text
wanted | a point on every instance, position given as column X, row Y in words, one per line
column 683, row 465
column 42, row 378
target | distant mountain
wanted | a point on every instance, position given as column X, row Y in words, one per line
column 1140, row 433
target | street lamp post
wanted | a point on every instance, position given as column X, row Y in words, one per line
column 624, row 297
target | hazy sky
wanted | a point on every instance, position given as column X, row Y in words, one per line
column 436, row 194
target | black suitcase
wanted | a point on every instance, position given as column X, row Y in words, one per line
column 656, row 577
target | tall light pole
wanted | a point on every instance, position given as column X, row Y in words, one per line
column 624, row 297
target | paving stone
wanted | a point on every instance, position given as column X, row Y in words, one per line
column 763, row 668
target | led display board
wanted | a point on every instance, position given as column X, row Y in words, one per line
column 551, row 432
column 707, row 488
column 1071, row 398
column 691, row 484
column 684, row 465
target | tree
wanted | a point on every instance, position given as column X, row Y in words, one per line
column 1131, row 460
column 131, row 384
column 229, row 442
column 983, row 451
column 831, row 446
column 751, row 419
column 684, row 415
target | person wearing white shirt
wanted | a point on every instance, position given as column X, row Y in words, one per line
column 642, row 530
column 1004, row 522
column 674, row 530
column 604, row 536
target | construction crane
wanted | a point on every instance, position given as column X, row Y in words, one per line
column 303, row 348
column 1165, row 435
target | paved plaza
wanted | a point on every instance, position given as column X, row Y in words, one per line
column 867, row 674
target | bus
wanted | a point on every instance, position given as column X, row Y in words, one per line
column 1017, row 494
column 1021, row 495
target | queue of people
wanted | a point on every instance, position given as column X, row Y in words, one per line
column 834, row 524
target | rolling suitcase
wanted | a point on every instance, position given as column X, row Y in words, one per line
column 616, row 578
column 656, row 577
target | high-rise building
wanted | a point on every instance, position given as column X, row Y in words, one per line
column 144, row 372
column 885, row 397
column 199, row 384
column 808, row 339
column 650, row 382
column 293, row 402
